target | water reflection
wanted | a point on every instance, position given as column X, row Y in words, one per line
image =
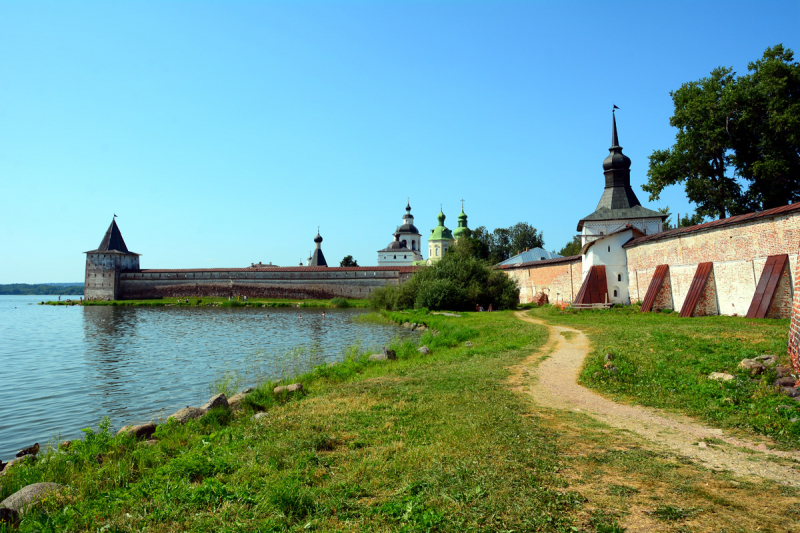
column 64, row 368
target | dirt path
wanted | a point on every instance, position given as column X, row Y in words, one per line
column 555, row 385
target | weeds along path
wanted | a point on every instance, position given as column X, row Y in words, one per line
column 554, row 384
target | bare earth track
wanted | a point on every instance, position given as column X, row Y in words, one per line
column 555, row 386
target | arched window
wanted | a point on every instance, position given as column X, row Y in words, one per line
column 413, row 244
column 405, row 243
column 609, row 248
column 437, row 252
column 619, row 277
column 395, row 257
column 615, row 293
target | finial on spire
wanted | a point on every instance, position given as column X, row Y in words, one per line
column 614, row 139
column 462, row 204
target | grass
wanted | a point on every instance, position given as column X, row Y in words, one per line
column 664, row 361
column 193, row 301
column 424, row 443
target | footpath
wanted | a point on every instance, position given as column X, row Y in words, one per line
column 555, row 385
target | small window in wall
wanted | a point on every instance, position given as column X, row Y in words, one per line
column 609, row 248
column 405, row 257
column 615, row 293
column 395, row 257
column 619, row 277
column 437, row 252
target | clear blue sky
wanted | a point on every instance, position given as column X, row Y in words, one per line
column 224, row 133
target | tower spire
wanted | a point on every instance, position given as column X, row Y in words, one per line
column 614, row 139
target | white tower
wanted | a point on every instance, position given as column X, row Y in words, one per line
column 405, row 248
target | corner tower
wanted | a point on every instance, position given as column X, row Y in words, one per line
column 104, row 264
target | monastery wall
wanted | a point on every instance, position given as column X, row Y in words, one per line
column 560, row 279
column 738, row 251
column 292, row 282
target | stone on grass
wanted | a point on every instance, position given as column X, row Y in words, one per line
column 378, row 357
column 220, row 400
column 755, row 367
column 235, row 401
column 783, row 371
column 151, row 442
column 142, row 431
column 791, row 392
column 259, row 416
column 720, row 376
column 608, row 357
column 247, row 390
column 390, row 354
column 767, row 360
column 610, row 367
column 785, row 382
column 294, row 387
column 28, row 496
column 406, row 325
column 424, row 350
column 187, row 413
column 468, row 344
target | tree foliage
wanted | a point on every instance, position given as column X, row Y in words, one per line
column 573, row 247
column 737, row 148
column 348, row 261
column 458, row 282
column 502, row 243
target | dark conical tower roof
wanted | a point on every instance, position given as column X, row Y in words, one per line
column 618, row 201
column 317, row 258
column 112, row 241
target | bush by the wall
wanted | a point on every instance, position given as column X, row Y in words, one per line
column 458, row 282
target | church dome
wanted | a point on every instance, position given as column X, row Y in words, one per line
column 318, row 239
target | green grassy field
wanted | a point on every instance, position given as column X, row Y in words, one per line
column 664, row 361
column 424, row 443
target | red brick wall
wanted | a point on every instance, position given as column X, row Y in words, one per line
column 664, row 297
column 794, row 328
column 559, row 281
column 299, row 285
column 738, row 252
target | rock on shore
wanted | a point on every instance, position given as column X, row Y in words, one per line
column 28, row 496
column 188, row 413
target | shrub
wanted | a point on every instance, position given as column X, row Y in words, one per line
column 442, row 294
column 340, row 302
column 459, row 281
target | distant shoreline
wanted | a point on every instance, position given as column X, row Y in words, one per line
column 44, row 289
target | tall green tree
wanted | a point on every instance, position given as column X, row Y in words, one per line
column 766, row 142
column 701, row 155
column 738, row 139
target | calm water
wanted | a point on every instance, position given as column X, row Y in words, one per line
column 64, row 368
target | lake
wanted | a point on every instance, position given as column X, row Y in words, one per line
column 64, row 368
